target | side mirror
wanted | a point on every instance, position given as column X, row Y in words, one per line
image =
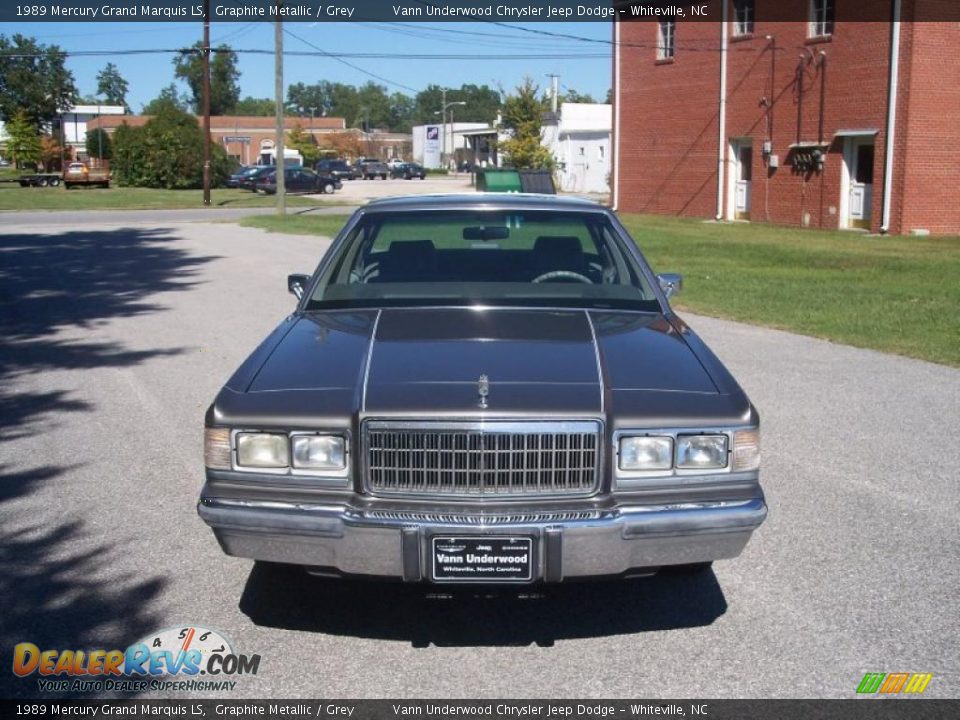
column 297, row 284
column 670, row 283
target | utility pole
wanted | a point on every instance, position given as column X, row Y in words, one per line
column 554, row 91
column 281, row 164
column 206, row 102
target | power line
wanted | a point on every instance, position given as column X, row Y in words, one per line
column 322, row 53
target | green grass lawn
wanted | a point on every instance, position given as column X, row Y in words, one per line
column 14, row 197
column 895, row 294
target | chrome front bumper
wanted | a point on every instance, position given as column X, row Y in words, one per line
column 351, row 541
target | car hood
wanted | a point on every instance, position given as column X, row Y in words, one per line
column 412, row 361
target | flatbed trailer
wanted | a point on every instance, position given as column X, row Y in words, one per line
column 39, row 180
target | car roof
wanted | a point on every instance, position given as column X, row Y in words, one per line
column 483, row 201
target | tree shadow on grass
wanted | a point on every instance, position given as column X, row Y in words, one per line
column 457, row 616
column 60, row 586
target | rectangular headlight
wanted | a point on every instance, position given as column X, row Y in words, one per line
column 746, row 450
column 262, row 450
column 646, row 453
column 319, row 452
column 701, row 452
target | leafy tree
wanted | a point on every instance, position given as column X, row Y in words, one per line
column 572, row 96
column 297, row 139
column 224, row 77
column 609, row 98
column 52, row 153
column 523, row 118
column 342, row 144
column 257, row 107
column 33, row 79
column 482, row 104
column 99, row 144
column 112, row 86
column 167, row 152
column 168, row 97
column 24, row 141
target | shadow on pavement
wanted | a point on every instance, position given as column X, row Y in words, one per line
column 59, row 583
column 287, row 597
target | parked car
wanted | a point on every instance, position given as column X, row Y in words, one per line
column 235, row 179
column 483, row 388
column 373, row 170
column 408, row 171
column 393, row 163
column 249, row 181
column 339, row 169
column 298, row 180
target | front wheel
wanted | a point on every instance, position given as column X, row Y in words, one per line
column 328, row 189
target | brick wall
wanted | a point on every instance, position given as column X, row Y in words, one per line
column 784, row 87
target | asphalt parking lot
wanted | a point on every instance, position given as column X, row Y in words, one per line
column 116, row 337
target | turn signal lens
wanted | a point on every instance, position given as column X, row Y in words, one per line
column 262, row 450
column 701, row 452
column 216, row 448
column 746, row 450
column 646, row 453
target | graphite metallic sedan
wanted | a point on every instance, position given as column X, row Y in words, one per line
column 483, row 388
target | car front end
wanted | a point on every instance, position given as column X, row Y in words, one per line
column 481, row 442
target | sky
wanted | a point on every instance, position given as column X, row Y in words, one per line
column 582, row 66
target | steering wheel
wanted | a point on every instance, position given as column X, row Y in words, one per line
column 554, row 274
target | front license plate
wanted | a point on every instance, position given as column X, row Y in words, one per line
column 482, row 559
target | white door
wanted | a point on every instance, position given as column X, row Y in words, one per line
column 743, row 172
column 859, row 157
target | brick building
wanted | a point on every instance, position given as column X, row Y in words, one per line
column 801, row 134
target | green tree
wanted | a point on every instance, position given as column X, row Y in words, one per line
column 305, row 143
column 572, row 96
column 24, row 143
column 482, row 104
column 167, row 152
column 33, row 79
column 257, row 107
column 523, row 120
column 168, row 97
column 111, row 86
column 224, row 77
column 99, row 144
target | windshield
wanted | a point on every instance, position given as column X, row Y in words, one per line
column 526, row 258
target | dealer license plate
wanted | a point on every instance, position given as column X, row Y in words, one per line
column 482, row 559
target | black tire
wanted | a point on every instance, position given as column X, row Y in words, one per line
column 54, row 182
column 328, row 188
column 43, row 182
column 383, row 177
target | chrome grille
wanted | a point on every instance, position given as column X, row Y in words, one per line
column 490, row 459
column 472, row 519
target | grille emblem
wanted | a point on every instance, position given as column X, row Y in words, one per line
column 483, row 390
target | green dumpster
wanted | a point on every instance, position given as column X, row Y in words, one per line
column 498, row 180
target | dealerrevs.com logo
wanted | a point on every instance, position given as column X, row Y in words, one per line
column 180, row 659
column 894, row 683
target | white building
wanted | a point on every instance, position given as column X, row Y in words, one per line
column 579, row 139
column 433, row 144
column 72, row 126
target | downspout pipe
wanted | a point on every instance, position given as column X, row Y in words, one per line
column 616, row 115
column 722, row 138
column 891, row 117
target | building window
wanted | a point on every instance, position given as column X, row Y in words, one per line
column 743, row 13
column 821, row 18
column 666, row 39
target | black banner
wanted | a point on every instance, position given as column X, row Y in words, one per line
column 510, row 11
column 861, row 709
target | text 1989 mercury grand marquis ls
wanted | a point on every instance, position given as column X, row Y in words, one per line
column 483, row 388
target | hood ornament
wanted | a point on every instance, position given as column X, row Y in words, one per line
column 483, row 390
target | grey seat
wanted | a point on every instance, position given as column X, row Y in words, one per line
column 408, row 261
column 559, row 252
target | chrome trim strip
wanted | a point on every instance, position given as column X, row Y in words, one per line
column 596, row 353
column 366, row 369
